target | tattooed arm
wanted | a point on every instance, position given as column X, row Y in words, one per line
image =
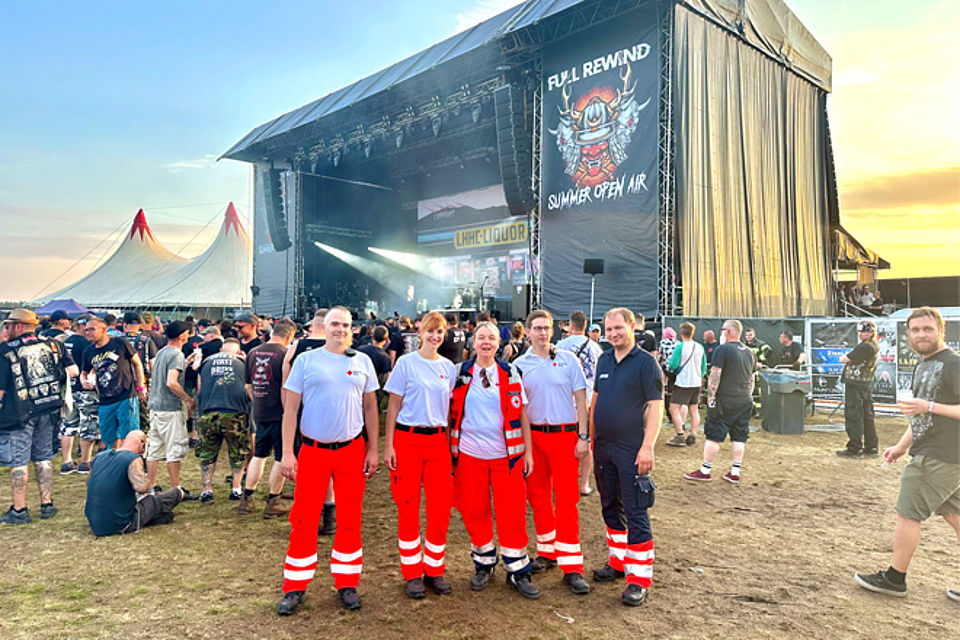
column 713, row 383
column 137, row 476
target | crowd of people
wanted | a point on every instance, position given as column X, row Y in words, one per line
column 483, row 418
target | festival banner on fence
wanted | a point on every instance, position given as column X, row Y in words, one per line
column 599, row 195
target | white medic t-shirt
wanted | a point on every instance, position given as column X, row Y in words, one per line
column 332, row 387
column 481, row 430
column 426, row 386
column 550, row 383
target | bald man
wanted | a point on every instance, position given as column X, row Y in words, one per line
column 116, row 477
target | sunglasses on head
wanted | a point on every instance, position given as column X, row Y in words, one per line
column 484, row 380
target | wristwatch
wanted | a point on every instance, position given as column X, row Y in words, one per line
column 583, row 436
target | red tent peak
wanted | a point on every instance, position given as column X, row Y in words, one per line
column 140, row 224
column 231, row 219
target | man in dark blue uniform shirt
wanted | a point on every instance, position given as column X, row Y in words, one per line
column 625, row 418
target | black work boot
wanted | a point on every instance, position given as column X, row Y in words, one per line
column 328, row 525
column 480, row 579
column 291, row 600
column 521, row 582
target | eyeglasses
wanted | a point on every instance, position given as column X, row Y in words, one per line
column 538, row 329
column 484, row 380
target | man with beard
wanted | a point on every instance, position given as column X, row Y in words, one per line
column 931, row 481
column 33, row 370
column 246, row 326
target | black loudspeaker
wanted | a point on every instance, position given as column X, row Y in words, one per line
column 514, row 146
column 276, row 221
column 593, row 266
column 521, row 301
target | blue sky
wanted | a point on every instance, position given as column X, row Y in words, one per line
column 106, row 107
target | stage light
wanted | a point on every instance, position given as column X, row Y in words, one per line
column 412, row 261
column 399, row 138
column 436, row 123
column 367, row 148
column 389, row 277
column 475, row 112
column 336, row 158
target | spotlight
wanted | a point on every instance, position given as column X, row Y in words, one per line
column 412, row 261
column 437, row 122
column 475, row 112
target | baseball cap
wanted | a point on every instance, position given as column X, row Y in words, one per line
column 59, row 315
column 131, row 317
column 22, row 315
column 175, row 328
column 867, row 325
column 594, row 327
column 248, row 317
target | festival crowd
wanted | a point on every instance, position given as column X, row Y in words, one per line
column 483, row 418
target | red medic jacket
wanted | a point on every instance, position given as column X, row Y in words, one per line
column 511, row 402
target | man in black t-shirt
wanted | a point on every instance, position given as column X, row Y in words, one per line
column 792, row 352
column 729, row 403
column 381, row 362
column 857, row 377
column 83, row 420
column 931, row 481
column 644, row 339
column 454, row 342
column 119, row 381
column 247, row 328
column 264, row 384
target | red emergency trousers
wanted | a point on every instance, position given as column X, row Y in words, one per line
column 423, row 460
column 473, row 480
column 315, row 466
column 556, row 477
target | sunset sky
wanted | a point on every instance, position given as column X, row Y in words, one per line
column 107, row 107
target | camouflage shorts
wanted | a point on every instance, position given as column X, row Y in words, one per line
column 218, row 426
column 144, row 416
column 85, row 419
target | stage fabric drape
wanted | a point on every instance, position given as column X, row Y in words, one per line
column 752, row 180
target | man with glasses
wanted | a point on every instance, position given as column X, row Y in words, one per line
column 729, row 403
column 116, row 478
column 556, row 388
column 859, row 366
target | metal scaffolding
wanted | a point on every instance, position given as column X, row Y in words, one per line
column 536, row 282
column 667, row 285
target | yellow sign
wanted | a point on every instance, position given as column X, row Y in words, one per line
column 503, row 233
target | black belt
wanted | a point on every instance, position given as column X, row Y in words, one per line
column 424, row 431
column 329, row 445
column 553, row 428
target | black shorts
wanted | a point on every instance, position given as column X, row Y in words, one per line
column 269, row 437
column 685, row 395
column 729, row 416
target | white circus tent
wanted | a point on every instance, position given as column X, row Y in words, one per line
column 218, row 277
column 142, row 273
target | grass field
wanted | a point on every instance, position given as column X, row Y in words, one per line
column 770, row 558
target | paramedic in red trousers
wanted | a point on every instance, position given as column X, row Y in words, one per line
column 556, row 389
column 625, row 415
column 336, row 386
column 417, row 454
column 490, row 444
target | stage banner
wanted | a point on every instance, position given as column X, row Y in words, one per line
column 599, row 156
column 831, row 339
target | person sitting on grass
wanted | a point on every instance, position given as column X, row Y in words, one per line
column 116, row 477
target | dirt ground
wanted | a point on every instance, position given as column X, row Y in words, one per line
column 770, row 558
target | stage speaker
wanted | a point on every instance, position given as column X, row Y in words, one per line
column 593, row 266
column 276, row 221
column 521, row 301
column 514, row 147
